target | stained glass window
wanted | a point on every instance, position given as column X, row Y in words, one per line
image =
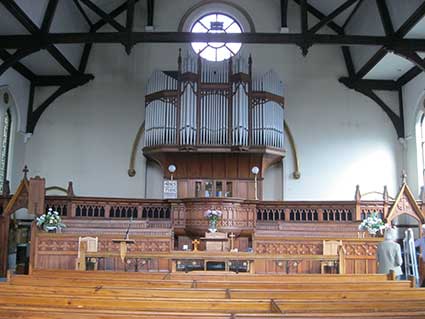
column 216, row 23
column 5, row 141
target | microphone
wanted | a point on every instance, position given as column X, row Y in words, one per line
column 128, row 228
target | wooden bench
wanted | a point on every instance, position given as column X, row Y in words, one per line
column 207, row 276
column 72, row 294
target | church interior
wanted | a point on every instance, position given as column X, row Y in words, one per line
column 212, row 158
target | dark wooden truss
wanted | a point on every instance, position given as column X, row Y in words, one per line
column 40, row 38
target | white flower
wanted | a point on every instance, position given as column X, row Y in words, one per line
column 372, row 224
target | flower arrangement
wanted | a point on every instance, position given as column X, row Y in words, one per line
column 50, row 221
column 213, row 216
column 372, row 224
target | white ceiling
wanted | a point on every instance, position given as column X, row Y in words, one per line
column 391, row 67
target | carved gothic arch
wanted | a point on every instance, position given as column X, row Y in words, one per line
column 405, row 203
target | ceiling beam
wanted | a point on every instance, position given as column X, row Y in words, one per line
column 304, row 44
column 356, row 8
column 48, row 16
column 283, row 13
column 319, row 15
column 87, row 47
column 18, row 67
column 332, row 15
column 83, row 13
column 150, row 12
column 404, row 29
column 129, row 25
column 348, row 61
column 385, row 17
column 58, row 80
column 409, row 75
column 338, row 30
column 379, row 85
column 106, row 17
column 23, row 41
column 371, row 63
column 20, row 15
column 14, row 58
column 37, row 33
column 409, row 24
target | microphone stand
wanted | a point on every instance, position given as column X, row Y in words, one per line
column 128, row 228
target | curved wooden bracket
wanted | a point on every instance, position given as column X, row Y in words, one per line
column 131, row 170
column 296, row 174
column 34, row 116
column 397, row 120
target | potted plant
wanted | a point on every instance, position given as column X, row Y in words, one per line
column 373, row 224
column 213, row 216
column 50, row 221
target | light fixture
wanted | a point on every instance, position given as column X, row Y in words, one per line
column 172, row 168
column 255, row 170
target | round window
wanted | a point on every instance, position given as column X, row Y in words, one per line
column 216, row 23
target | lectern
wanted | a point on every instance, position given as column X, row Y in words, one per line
column 123, row 246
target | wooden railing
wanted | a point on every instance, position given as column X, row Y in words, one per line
column 306, row 211
column 105, row 208
column 238, row 214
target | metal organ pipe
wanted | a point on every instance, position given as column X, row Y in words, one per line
column 266, row 116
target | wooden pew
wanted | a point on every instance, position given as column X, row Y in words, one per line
column 357, row 306
column 140, row 283
column 145, row 304
column 225, row 276
column 109, row 295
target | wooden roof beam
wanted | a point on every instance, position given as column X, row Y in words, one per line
column 332, row 15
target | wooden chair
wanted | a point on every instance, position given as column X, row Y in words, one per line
column 86, row 244
column 330, row 248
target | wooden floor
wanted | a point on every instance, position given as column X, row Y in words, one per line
column 73, row 294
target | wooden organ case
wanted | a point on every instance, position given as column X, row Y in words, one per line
column 215, row 121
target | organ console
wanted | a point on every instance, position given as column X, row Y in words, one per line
column 218, row 115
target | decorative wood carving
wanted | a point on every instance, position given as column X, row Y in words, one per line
column 286, row 228
column 405, row 203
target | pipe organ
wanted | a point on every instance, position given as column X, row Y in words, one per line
column 214, row 108
column 214, row 103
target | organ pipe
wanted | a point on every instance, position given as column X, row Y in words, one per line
column 214, row 103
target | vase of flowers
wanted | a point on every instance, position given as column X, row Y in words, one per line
column 50, row 221
column 213, row 216
column 373, row 224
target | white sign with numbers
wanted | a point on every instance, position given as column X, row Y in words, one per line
column 170, row 189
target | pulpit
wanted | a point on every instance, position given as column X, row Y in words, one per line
column 216, row 241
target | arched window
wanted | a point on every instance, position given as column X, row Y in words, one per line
column 6, row 124
column 216, row 23
column 422, row 143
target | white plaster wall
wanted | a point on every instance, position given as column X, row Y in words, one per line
column 343, row 138
column 413, row 95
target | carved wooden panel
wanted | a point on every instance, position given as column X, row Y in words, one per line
column 288, row 247
column 60, row 250
column 237, row 216
column 360, row 255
